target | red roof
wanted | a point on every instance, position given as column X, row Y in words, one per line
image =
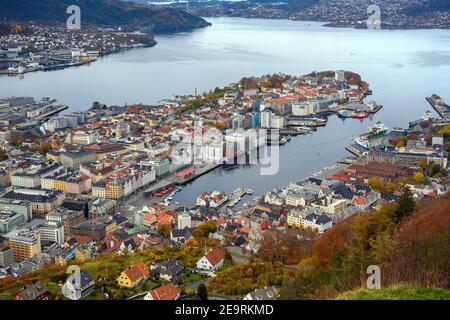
column 184, row 173
column 166, row 292
column 214, row 256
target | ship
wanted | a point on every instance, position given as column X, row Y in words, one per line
column 343, row 114
column 378, row 130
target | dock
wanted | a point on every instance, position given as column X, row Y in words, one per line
column 355, row 149
column 51, row 112
column 439, row 106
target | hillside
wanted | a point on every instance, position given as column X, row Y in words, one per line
column 101, row 12
column 397, row 293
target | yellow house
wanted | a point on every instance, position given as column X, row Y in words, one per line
column 133, row 276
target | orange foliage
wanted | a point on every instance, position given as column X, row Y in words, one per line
column 333, row 240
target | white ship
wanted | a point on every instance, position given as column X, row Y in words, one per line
column 378, row 130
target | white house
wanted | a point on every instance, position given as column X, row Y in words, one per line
column 212, row 261
column 78, row 286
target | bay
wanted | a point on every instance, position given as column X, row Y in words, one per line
column 402, row 67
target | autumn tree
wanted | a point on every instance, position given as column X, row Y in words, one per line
column 164, row 229
column 405, row 206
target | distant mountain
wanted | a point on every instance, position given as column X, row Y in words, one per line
column 426, row 6
column 101, row 12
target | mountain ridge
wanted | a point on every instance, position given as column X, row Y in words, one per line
column 101, row 12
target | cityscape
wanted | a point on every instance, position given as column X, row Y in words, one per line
column 270, row 186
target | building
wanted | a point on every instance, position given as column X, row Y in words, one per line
column 21, row 207
column 165, row 292
column 101, row 206
column 6, row 257
column 95, row 229
column 67, row 217
column 34, row 291
column 170, row 270
column 31, row 178
column 42, row 201
column 81, row 137
column 133, row 276
column 268, row 293
column 52, row 231
column 78, row 203
column 78, row 286
column 184, row 220
column 75, row 159
column 25, row 244
column 9, row 220
column 321, row 223
column 211, row 199
column 212, row 261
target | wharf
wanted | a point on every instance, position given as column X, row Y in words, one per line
column 51, row 112
column 354, row 149
column 196, row 174
column 441, row 108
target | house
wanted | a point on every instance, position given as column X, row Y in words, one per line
column 165, row 292
column 171, row 270
column 211, row 199
column 78, row 286
column 133, row 276
column 212, row 261
column 181, row 236
column 34, row 291
column 269, row 293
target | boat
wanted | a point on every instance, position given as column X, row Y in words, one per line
column 361, row 115
column 343, row 114
column 378, row 130
column 250, row 191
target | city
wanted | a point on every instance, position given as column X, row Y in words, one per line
column 224, row 151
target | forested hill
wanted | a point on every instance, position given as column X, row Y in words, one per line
column 101, row 12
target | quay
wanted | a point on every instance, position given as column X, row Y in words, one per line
column 174, row 179
column 440, row 106
column 51, row 112
column 356, row 150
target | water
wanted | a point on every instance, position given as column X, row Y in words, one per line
column 402, row 68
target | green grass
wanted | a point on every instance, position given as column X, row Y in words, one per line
column 399, row 292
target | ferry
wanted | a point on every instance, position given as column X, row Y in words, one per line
column 378, row 130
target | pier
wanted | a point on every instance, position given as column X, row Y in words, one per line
column 439, row 106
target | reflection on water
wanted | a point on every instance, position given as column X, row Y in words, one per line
column 402, row 68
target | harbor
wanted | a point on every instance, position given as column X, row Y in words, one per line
column 439, row 105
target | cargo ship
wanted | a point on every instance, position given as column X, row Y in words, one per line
column 378, row 130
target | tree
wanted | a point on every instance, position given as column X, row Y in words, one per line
column 164, row 229
column 423, row 164
column 418, row 177
column 202, row 292
column 405, row 205
column 376, row 184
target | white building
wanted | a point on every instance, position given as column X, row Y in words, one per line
column 184, row 220
column 212, row 261
column 78, row 286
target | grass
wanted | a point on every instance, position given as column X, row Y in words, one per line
column 398, row 292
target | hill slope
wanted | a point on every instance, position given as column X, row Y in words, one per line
column 397, row 293
column 100, row 12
